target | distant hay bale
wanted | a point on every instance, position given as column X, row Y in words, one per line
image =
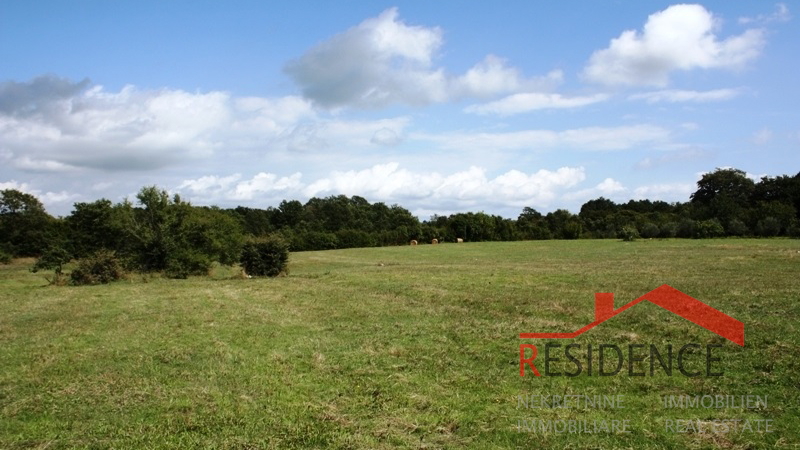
column 413, row 242
column 435, row 241
column 459, row 241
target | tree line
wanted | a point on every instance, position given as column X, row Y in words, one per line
column 163, row 233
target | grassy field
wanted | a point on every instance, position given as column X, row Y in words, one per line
column 403, row 347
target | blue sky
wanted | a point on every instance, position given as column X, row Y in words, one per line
column 436, row 107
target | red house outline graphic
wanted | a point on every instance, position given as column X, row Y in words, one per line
column 668, row 298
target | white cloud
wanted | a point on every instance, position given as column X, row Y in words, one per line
column 781, row 14
column 607, row 188
column 590, row 138
column 391, row 183
column 267, row 184
column 386, row 136
column 344, row 134
column 384, row 61
column 665, row 191
column 531, row 101
column 49, row 199
column 676, row 96
column 380, row 61
column 25, row 163
column 488, row 78
column 387, row 182
column 492, row 76
column 53, row 125
column 210, row 183
column 13, row 184
column 680, row 37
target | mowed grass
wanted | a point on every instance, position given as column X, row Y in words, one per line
column 401, row 347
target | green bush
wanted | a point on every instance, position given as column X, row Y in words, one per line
column 709, row 229
column 686, row 228
column 794, row 229
column 768, row 227
column 668, row 230
column 54, row 258
column 5, row 256
column 355, row 239
column 736, row 228
column 312, row 240
column 100, row 268
column 650, row 230
column 629, row 233
column 572, row 230
column 265, row 256
column 184, row 262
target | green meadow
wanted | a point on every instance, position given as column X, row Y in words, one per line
column 397, row 347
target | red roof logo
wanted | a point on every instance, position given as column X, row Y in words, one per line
column 668, row 298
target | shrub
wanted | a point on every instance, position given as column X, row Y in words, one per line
column 54, row 258
column 650, row 230
column 572, row 230
column 668, row 230
column 354, row 239
column 265, row 256
column 184, row 262
column 312, row 240
column 686, row 228
column 629, row 233
column 100, row 268
column 5, row 257
column 768, row 227
column 736, row 228
column 709, row 229
column 794, row 229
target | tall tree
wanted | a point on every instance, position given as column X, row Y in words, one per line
column 25, row 227
column 723, row 194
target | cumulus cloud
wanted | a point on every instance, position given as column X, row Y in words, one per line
column 74, row 127
column 266, row 184
column 384, row 61
column 677, row 96
column 36, row 96
column 391, row 183
column 51, row 125
column 681, row 37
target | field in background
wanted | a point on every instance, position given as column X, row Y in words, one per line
column 396, row 347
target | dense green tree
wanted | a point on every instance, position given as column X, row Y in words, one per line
column 783, row 189
column 723, row 194
column 25, row 227
column 265, row 256
column 291, row 214
column 531, row 224
column 168, row 234
column 95, row 226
